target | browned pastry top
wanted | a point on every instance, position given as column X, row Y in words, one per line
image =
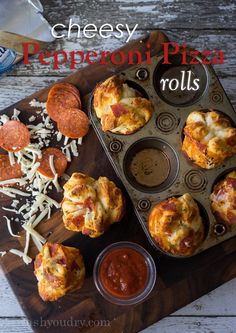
column 176, row 225
column 59, row 270
column 224, row 199
column 90, row 206
column 120, row 108
column 209, row 138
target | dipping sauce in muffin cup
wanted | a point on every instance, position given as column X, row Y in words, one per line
column 124, row 273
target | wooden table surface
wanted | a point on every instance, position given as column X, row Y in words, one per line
column 204, row 24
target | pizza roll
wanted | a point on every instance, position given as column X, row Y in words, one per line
column 120, row 108
column 90, row 206
column 209, row 139
column 176, row 226
column 224, row 199
column 59, row 270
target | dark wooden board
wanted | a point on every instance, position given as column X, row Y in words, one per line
column 179, row 281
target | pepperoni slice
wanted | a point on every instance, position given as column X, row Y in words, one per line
column 186, row 243
column 88, row 203
column 14, row 136
column 67, row 92
column 74, row 123
column 78, row 221
column 169, row 206
column 118, row 109
column 232, row 182
column 58, row 102
column 74, row 266
column 202, row 147
column 66, row 86
column 62, row 261
column 231, row 217
column 1, row 136
column 87, row 231
column 62, row 96
column 38, row 261
column 8, row 171
column 59, row 162
column 231, row 141
column 53, row 248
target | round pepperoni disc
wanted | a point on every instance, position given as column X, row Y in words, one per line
column 60, row 97
column 1, row 136
column 65, row 86
column 14, row 136
column 59, row 162
column 74, row 123
column 8, row 171
column 61, row 89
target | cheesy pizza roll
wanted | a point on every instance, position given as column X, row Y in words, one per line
column 120, row 108
column 176, row 226
column 223, row 199
column 209, row 139
column 59, row 270
column 90, row 206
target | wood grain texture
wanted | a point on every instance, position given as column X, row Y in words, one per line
column 206, row 20
column 149, row 14
column 167, row 325
column 201, row 40
column 88, row 304
column 33, row 84
column 204, row 306
column 202, row 315
column 170, row 325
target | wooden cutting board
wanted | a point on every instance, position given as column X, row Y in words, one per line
column 179, row 281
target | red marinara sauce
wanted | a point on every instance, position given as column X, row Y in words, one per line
column 124, row 272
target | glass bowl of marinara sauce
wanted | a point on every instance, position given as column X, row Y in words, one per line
column 124, row 273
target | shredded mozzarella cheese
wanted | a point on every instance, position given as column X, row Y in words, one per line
column 11, row 190
column 11, row 158
column 59, row 136
column 27, row 242
column 38, row 204
column 4, row 118
column 51, row 164
column 37, row 243
column 26, row 258
column 20, row 181
column 40, row 217
column 36, row 104
column 9, row 227
column 33, row 232
column 66, row 140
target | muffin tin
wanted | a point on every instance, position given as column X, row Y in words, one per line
column 176, row 174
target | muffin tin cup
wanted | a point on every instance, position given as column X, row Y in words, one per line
column 164, row 129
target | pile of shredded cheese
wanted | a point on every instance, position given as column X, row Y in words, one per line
column 37, row 203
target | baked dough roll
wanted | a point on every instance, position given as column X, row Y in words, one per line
column 59, row 270
column 176, row 226
column 209, row 139
column 224, row 199
column 90, row 206
column 120, row 108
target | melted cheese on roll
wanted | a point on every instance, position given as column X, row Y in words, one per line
column 176, row 225
column 224, row 199
column 209, row 139
column 120, row 108
column 90, row 206
column 59, row 270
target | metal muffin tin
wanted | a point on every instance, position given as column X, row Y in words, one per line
column 164, row 131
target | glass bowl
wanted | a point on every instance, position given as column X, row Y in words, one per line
column 148, row 286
